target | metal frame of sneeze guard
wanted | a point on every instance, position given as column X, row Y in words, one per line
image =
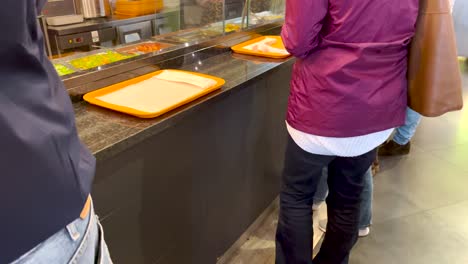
column 109, row 74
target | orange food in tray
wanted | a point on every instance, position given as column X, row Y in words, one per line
column 149, row 47
column 143, row 48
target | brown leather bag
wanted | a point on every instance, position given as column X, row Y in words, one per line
column 434, row 77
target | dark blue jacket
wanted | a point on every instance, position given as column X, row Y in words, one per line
column 45, row 171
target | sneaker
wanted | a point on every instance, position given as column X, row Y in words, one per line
column 316, row 206
column 391, row 148
column 362, row 232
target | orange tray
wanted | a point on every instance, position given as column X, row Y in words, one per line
column 92, row 97
column 279, row 45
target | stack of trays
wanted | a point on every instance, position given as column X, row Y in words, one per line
column 135, row 8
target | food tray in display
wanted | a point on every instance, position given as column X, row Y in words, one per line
column 240, row 48
column 144, row 48
column 101, row 58
column 192, row 36
column 231, row 27
column 267, row 16
column 63, row 70
column 93, row 97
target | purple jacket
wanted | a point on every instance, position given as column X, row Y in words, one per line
column 350, row 76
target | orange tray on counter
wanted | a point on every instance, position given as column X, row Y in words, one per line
column 279, row 45
column 92, row 97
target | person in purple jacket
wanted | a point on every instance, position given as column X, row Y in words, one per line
column 348, row 93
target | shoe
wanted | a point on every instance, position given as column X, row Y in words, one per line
column 391, row 148
column 316, row 206
column 362, row 232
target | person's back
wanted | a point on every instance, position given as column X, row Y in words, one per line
column 45, row 171
column 353, row 59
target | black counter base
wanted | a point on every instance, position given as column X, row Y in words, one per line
column 186, row 194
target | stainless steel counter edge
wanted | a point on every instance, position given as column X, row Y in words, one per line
column 107, row 133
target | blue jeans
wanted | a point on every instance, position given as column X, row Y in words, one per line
column 365, row 218
column 404, row 133
column 81, row 242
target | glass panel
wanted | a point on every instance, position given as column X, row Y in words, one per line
column 266, row 11
column 141, row 27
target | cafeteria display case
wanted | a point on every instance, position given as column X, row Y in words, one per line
column 138, row 32
column 190, row 35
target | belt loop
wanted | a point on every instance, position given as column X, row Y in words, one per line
column 73, row 231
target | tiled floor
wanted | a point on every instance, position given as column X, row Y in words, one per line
column 421, row 200
column 420, row 206
column 258, row 245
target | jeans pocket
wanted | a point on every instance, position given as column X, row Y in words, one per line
column 103, row 256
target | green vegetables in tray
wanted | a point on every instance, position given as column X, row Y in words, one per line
column 97, row 60
column 63, row 70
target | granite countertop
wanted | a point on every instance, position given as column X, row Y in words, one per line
column 107, row 133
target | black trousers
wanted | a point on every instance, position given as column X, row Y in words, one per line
column 301, row 175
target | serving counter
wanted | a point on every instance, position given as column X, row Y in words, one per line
column 182, row 187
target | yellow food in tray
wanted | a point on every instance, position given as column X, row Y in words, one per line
column 96, row 60
column 63, row 70
column 232, row 27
